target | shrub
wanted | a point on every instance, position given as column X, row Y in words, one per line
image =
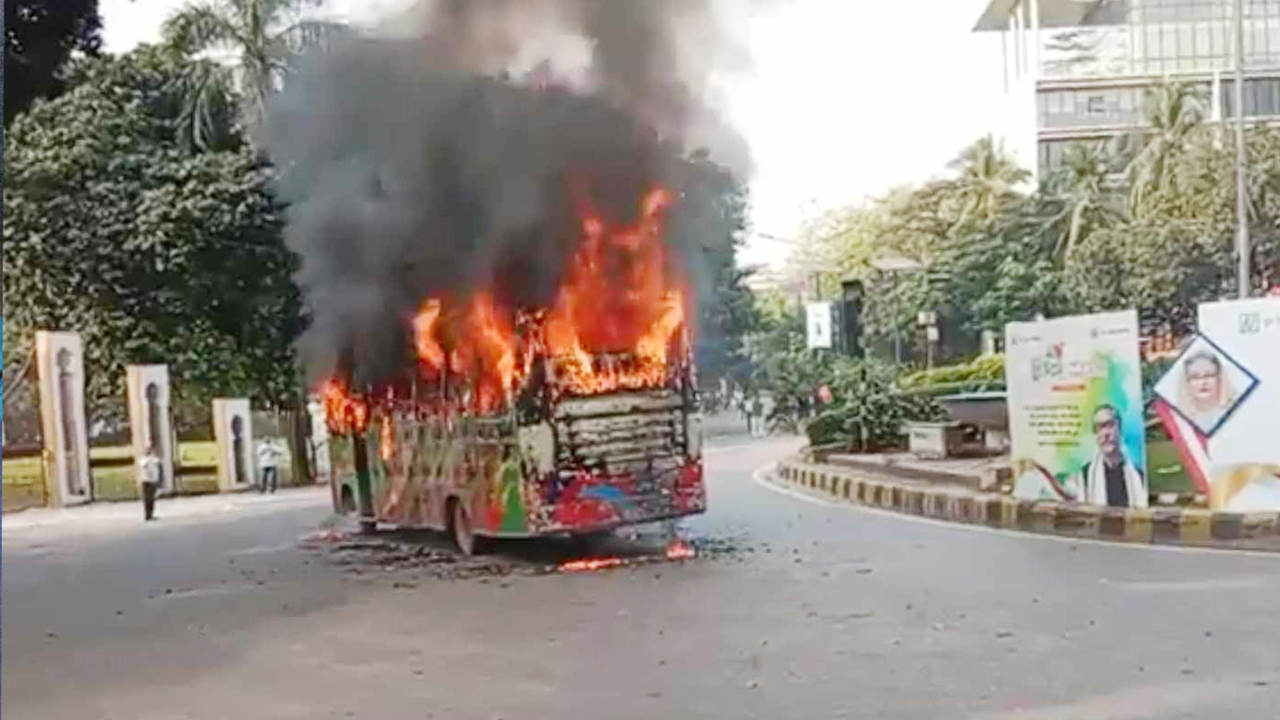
column 869, row 409
column 984, row 373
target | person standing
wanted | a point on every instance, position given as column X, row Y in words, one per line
column 269, row 465
column 149, row 480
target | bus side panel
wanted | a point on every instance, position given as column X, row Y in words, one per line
column 401, row 459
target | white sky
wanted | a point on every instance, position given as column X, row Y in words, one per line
column 847, row 98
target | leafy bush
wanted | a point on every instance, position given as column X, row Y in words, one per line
column 869, row 410
column 1152, row 371
column 828, row 428
column 984, row 373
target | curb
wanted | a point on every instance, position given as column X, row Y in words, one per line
column 1158, row 526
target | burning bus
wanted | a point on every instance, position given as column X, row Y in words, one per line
column 578, row 417
column 512, row 222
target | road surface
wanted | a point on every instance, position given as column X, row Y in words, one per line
column 807, row 611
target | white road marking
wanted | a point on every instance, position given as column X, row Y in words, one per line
column 759, row 477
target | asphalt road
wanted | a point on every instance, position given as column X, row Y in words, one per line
column 803, row 611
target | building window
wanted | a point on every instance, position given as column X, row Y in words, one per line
column 1261, row 98
column 1070, row 108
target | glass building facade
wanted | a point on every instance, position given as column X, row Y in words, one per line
column 1158, row 37
column 1087, row 66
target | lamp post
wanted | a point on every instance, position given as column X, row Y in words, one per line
column 1242, row 209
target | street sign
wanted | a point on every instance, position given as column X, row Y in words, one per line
column 818, row 324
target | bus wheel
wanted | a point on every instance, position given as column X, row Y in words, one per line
column 463, row 534
column 368, row 527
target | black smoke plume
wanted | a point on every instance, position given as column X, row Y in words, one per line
column 454, row 159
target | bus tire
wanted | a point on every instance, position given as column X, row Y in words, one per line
column 368, row 527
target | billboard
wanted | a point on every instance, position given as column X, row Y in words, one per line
column 1218, row 402
column 1076, row 411
column 818, row 324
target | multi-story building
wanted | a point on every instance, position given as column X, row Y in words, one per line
column 1076, row 70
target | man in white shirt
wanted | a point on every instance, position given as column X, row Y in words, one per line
column 269, row 465
column 149, row 471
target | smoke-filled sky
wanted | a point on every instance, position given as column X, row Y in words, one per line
column 843, row 99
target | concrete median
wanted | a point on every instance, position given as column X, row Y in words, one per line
column 924, row 498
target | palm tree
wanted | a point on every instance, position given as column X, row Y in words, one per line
column 987, row 176
column 1174, row 114
column 263, row 35
column 1082, row 195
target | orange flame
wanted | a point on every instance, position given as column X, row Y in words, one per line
column 424, row 323
column 680, row 550
column 386, row 444
column 589, row 564
column 343, row 411
column 617, row 316
column 617, row 299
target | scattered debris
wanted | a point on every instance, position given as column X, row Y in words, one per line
column 431, row 554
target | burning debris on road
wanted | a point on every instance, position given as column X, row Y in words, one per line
column 424, row 554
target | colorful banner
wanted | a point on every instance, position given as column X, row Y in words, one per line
column 1220, row 402
column 1076, row 411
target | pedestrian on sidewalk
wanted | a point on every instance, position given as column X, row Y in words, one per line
column 269, row 465
column 149, row 471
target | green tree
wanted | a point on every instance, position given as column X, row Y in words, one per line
column 1174, row 114
column 708, row 224
column 153, row 253
column 39, row 36
column 1162, row 267
column 784, row 364
column 263, row 36
column 986, row 176
column 1079, row 196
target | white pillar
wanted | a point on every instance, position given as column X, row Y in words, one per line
column 149, row 419
column 60, row 366
column 1017, row 44
column 1004, row 57
column 1022, row 33
column 233, row 433
column 1215, row 112
column 1035, row 39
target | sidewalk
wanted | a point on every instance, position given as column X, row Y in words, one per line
column 106, row 514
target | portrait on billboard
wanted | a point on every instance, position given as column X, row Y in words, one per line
column 1205, row 386
column 1218, row 403
column 1076, row 410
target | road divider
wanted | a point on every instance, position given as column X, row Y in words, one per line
column 1165, row 526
